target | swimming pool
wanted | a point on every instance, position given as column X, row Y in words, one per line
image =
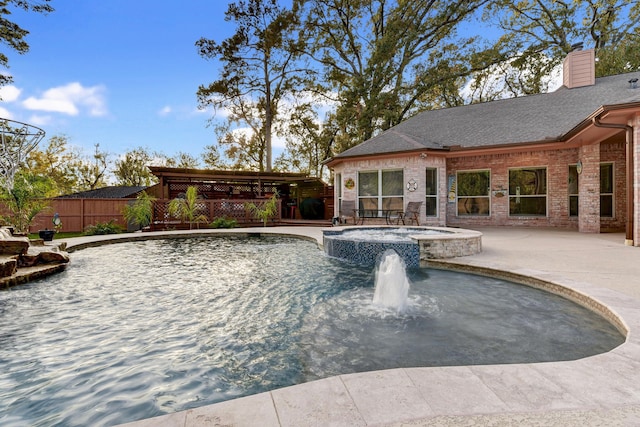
column 135, row 330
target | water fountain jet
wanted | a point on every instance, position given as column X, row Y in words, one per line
column 392, row 284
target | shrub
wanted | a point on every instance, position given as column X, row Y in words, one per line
column 140, row 212
column 187, row 209
column 264, row 211
column 222, row 222
column 103, row 228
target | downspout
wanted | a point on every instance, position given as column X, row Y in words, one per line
column 629, row 241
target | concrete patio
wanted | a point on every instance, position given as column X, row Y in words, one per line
column 598, row 390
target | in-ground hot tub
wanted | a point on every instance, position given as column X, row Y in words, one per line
column 416, row 245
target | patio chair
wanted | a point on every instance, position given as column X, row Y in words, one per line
column 347, row 210
column 411, row 213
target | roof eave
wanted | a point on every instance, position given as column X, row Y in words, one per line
column 333, row 161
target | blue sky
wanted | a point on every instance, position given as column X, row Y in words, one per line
column 119, row 73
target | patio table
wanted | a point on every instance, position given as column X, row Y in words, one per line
column 363, row 214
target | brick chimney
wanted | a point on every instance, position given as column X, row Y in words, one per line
column 579, row 69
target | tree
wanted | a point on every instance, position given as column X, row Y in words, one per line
column 183, row 160
column 264, row 211
column 259, row 72
column 56, row 161
column 187, row 208
column 309, row 142
column 91, row 172
column 380, row 60
column 26, row 199
column 140, row 212
column 211, row 158
column 12, row 35
column 132, row 168
column 622, row 58
column 538, row 34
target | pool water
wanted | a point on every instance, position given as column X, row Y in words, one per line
column 383, row 234
column 135, row 330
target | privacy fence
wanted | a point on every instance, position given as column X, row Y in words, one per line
column 77, row 214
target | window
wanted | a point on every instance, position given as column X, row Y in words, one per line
column 606, row 190
column 528, row 192
column 473, row 193
column 431, row 192
column 381, row 189
column 573, row 190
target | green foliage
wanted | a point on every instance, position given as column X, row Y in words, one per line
column 131, row 168
column 56, row 161
column 91, row 172
column 140, row 212
column 223, row 222
column 537, row 36
column 381, row 60
column 187, row 209
column 25, row 200
column 618, row 59
column 101, row 228
column 264, row 211
column 184, row 161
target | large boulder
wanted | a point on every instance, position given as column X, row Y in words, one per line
column 43, row 255
column 8, row 267
column 12, row 245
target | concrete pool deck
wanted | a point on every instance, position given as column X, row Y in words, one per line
column 598, row 390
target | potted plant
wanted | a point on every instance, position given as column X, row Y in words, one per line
column 46, row 234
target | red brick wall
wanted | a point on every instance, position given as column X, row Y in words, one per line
column 557, row 163
column 589, row 189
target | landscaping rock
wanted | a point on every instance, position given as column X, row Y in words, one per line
column 8, row 267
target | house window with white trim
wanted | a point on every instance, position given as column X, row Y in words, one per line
column 528, row 192
column 472, row 193
column 606, row 190
column 573, row 190
column 431, row 192
column 380, row 190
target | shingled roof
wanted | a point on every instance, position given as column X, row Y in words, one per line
column 528, row 119
column 114, row 192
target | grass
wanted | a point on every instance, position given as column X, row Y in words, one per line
column 61, row 235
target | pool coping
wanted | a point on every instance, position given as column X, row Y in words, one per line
column 604, row 385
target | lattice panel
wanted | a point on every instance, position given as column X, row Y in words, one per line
column 232, row 209
column 212, row 209
column 179, row 188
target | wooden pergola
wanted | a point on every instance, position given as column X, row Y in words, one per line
column 224, row 193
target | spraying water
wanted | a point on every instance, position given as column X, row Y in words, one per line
column 392, row 284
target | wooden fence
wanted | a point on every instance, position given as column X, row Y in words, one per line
column 78, row 214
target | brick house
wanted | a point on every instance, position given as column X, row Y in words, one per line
column 566, row 159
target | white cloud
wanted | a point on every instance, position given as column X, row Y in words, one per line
column 9, row 93
column 70, row 99
column 39, row 120
column 166, row 110
column 5, row 114
column 278, row 142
